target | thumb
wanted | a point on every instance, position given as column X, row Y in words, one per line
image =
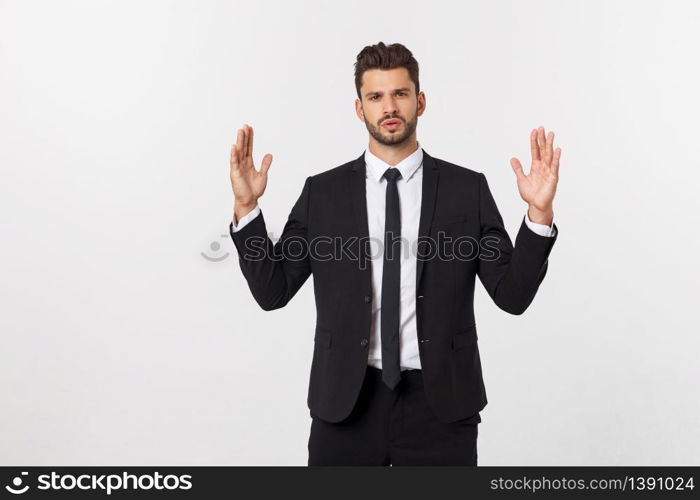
column 517, row 168
column 266, row 162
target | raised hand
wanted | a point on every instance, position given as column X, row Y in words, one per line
column 247, row 183
column 538, row 187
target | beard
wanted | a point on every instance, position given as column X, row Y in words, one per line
column 388, row 138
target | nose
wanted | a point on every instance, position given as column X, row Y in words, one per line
column 390, row 106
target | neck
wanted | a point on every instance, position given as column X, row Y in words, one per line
column 394, row 154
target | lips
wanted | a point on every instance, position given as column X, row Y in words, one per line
column 392, row 124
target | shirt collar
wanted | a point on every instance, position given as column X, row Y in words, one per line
column 408, row 166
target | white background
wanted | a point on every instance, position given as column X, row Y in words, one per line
column 122, row 345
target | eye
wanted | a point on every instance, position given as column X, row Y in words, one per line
column 372, row 98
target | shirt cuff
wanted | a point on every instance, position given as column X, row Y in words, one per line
column 245, row 219
column 541, row 229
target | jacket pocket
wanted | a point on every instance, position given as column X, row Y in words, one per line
column 464, row 338
column 449, row 219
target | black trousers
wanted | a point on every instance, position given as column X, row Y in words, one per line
column 393, row 428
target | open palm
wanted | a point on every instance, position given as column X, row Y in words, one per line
column 248, row 183
column 538, row 187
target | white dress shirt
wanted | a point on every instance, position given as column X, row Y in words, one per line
column 410, row 188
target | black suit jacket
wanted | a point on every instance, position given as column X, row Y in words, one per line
column 326, row 236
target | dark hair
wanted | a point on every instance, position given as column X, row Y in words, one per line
column 382, row 56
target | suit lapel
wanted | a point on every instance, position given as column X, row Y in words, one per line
column 358, row 195
column 430, row 183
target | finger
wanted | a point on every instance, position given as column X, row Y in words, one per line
column 250, row 141
column 240, row 138
column 555, row 162
column 517, row 168
column 246, row 138
column 534, row 149
column 266, row 162
column 239, row 145
column 234, row 158
column 548, row 148
column 541, row 141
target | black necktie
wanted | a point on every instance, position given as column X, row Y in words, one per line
column 391, row 283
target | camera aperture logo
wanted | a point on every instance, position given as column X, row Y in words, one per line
column 17, row 488
column 105, row 482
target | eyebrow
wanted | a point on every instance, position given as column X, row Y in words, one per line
column 405, row 89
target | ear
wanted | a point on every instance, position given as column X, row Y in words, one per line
column 421, row 103
column 358, row 110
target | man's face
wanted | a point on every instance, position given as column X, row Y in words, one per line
column 389, row 107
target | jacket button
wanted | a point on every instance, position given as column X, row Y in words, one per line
column 364, row 342
column 368, row 299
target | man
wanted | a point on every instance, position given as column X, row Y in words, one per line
column 396, row 374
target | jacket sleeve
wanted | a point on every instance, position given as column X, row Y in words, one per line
column 275, row 272
column 511, row 275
